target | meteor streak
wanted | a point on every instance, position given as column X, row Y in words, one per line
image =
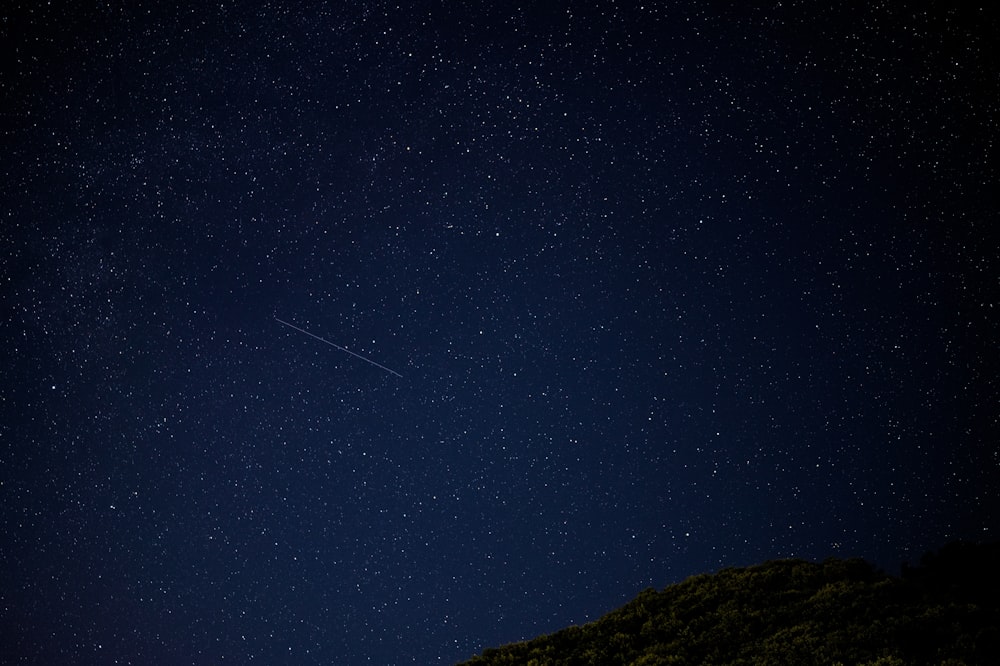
column 343, row 349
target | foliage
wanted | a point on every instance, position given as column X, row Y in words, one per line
column 946, row 611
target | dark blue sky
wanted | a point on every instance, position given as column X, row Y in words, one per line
column 670, row 289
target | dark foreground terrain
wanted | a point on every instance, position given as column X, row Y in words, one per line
column 944, row 611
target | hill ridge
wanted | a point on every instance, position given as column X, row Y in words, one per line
column 792, row 611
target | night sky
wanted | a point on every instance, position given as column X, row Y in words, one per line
column 630, row 294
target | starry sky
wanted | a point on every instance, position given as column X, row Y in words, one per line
column 630, row 293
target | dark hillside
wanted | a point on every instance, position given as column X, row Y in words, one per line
column 945, row 611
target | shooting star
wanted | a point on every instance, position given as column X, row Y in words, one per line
column 344, row 349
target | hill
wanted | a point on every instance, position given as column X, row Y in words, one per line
column 945, row 611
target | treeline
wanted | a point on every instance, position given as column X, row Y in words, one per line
column 945, row 611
